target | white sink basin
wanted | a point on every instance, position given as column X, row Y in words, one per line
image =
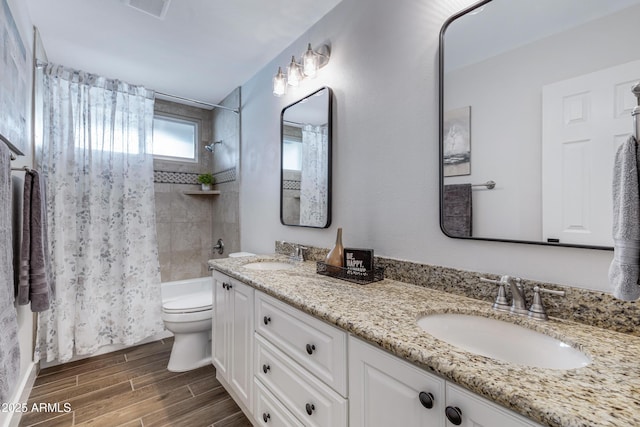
column 269, row 265
column 503, row 341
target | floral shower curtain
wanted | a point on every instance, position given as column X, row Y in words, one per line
column 313, row 180
column 95, row 155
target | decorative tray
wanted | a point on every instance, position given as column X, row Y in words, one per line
column 350, row 275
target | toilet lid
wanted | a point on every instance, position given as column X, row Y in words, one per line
column 191, row 303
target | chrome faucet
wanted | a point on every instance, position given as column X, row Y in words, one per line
column 298, row 253
column 518, row 301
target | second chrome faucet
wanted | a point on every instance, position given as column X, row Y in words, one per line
column 518, row 301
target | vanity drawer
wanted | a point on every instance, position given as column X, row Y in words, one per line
column 309, row 399
column 269, row 411
column 316, row 345
column 478, row 411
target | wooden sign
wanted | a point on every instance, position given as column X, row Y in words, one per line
column 358, row 263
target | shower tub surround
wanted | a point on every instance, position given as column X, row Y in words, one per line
column 384, row 314
column 183, row 223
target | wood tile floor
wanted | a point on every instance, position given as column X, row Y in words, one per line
column 131, row 388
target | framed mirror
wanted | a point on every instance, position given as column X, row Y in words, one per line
column 305, row 166
column 535, row 98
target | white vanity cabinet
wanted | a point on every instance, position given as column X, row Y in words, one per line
column 301, row 364
column 232, row 336
column 385, row 390
column 287, row 368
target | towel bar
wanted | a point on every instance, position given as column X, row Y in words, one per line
column 489, row 184
column 23, row 169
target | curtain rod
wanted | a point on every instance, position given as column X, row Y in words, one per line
column 195, row 101
column 41, row 64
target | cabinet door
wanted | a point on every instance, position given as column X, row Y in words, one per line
column 385, row 390
column 221, row 325
column 476, row 411
column 241, row 344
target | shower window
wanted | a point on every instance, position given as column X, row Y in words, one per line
column 292, row 155
column 174, row 139
column 291, row 147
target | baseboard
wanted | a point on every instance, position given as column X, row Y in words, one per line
column 12, row 419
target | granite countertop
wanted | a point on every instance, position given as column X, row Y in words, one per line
column 605, row 393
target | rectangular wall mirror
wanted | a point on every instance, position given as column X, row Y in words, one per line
column 305, row 178
column 535, row 98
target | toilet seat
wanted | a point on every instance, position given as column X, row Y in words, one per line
column 193, row 303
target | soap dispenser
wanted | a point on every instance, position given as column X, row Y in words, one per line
column 335, row 257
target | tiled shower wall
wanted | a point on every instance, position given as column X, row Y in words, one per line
column 184, row 222
column 189, row 225
column 226, row 161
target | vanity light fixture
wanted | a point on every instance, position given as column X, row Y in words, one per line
column 296, row 72
column 279, row 83
column 310, row 62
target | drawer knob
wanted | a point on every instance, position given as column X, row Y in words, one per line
column 224, row 285
column 266, row 417
column 266, row 368
column 266, row 320
column 310, row 408
column 454, row 415
column 229, row 286
column 426, row 399
column 311, row 348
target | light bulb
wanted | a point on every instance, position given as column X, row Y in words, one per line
column 310, row 62
column 279, row 83
column 293, row 73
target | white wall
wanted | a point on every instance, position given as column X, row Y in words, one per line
column 25, row 317
column 383, row 70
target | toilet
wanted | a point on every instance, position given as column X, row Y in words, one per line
column 187, row 312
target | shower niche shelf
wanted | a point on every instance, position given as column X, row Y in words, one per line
column 202, row 193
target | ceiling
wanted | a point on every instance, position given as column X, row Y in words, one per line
column 502, row 25
column 201, row 49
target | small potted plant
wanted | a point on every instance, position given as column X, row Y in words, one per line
column 207, row 180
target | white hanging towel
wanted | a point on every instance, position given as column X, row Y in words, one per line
column 624, row 271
